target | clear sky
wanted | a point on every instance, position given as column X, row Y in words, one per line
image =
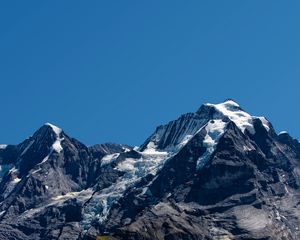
column 114, row 70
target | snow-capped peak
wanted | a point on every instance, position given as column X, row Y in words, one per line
column 47, row 134
column 56, row 129
column 174, row 135
column 57, row 144
column 235, row 113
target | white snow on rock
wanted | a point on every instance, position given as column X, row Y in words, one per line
column 27, row 147
column 265, row 122
column 134, row 169
column 13, row 170
column 57, row 144
column 14, row 179
column 215, row 129
column 10, row 186
column 282, row 132
column 3, row 146
column 56, row 129
column 56, row 147
column 242, row 119
column 177, row 133
column 81, row 197
column 107, row 159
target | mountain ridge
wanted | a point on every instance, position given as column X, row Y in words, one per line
column 207, row 166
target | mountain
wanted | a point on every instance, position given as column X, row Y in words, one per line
column 217, row 173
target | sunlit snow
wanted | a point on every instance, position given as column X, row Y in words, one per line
column 56, row 129
column 107, row 159
column 3, row 146
column 283, row 132
column 242, row 119
column 215, row 129
column 27, row 147
column 10, row 187
column 57, row 144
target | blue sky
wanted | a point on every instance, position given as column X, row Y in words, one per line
column 114, row 70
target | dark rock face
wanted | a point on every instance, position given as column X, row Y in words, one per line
column 218, row 173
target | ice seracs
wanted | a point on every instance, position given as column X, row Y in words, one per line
column 134, row 169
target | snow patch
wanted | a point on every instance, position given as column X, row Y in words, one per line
column 215, row 129
column 16, row 180
column 45, row 159
column 34, row 171
column 13, row 170
column 247, row 149
column 283, row 132
column 59, row 200
column 28, row 146
column 136, row 148
column 57, row 144
column 125, row 149
column 107, row 159
column 56, row 129
column 265, row 122
column 10, row 186
column 3, row 146
column 65, row 196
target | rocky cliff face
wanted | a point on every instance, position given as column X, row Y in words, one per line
column 218, row 173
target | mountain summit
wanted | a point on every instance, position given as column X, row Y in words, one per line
column 217, row 173
column 177, row 133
